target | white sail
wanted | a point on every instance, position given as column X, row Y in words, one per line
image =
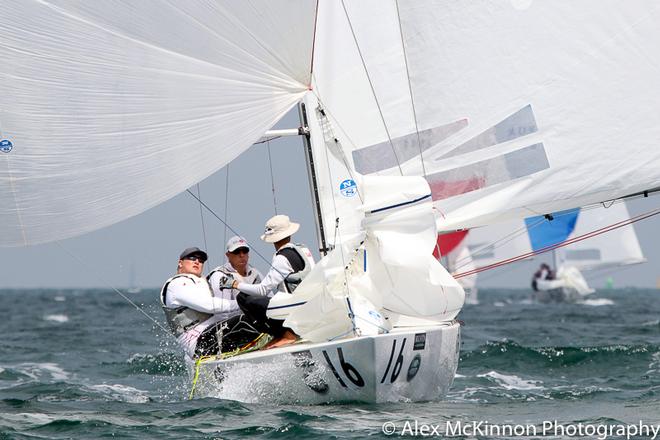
column 493, row 244
column 389, row 268
column 110, row 108
column 619, row 247
column 509, row 104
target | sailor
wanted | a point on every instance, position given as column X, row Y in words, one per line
column 543, row 273
column 291, row 263
column 236, row 267
column 188, row 303
column 233, row 329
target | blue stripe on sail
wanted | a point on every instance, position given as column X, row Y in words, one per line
column 409, row 202
column 544, row 233
column 288, row 305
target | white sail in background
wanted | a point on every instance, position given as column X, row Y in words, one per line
column 110, row 108
column 619, row 247
column 493, row 244
column 508, row 104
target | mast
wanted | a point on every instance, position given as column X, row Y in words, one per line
column 313, row 183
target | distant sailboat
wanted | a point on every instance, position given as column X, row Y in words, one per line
column 422, row 117
column 132, row 286
column 603, row 252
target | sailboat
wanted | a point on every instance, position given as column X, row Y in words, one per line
column 421, row 118
column 606, row 252
column 456, row 257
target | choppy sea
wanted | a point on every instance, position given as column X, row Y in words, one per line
column 86, row 364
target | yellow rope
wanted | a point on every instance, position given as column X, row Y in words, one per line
column 197, row 364
column 254, row 345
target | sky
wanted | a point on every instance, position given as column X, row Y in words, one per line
column 143, row 251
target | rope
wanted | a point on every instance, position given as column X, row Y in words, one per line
column 272, row 177
column 224, row 236
column 373, row 91
column 201, row 216
column 227, row 227
column 82, row 263
column 412, row 99
column 565, row 243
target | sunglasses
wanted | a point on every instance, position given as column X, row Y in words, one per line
column 240, row 251
column 195, row 258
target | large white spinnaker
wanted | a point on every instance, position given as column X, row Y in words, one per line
column 519, row 110
column 110, row 108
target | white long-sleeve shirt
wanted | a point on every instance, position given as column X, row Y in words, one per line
column 194, row 292
column 280, row 268
column 253, row 276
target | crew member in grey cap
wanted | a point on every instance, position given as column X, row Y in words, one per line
column 237, row 267
column 188, row 303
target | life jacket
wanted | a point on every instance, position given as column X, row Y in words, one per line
column 302, row 262
column 181, row 319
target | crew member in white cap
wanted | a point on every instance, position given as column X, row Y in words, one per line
column 291, row 263
column 236, row 268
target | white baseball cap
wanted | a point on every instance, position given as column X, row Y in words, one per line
column 236, row 242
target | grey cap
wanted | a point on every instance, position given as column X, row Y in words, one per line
column 193, row 251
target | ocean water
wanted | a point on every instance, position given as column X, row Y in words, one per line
column 86, row 364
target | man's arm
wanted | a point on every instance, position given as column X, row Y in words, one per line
column 280, row 269
column 197, row 296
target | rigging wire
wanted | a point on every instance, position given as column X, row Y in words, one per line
column 562, row 244
column 117, row 291
column 272, row 177
column 373, row 90
column 227, row 226
column 201, row 216
column 412, row 99
column 224, row 236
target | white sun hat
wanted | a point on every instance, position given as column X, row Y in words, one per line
column 279, row 227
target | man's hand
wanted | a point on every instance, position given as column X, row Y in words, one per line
column 227, row 282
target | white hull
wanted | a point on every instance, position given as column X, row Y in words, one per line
column 407, row 364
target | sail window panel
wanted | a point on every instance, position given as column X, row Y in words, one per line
column 517, row 125
column 582, row 255
column 500, row 169
column 386, row 155
column 484, row 251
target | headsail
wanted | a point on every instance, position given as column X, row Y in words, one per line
column 619, row 247
column 112, row 108
column 518, row 111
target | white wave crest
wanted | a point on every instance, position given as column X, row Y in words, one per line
column 598, row 302
column 56, row 318
column 512, row 382
column 122, row 393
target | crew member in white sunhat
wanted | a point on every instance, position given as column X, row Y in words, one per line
column 291, row 263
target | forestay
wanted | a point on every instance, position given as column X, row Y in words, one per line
column 110, row 108
column 520, row 108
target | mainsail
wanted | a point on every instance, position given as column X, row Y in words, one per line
column 110, row 108
column 508, row 111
